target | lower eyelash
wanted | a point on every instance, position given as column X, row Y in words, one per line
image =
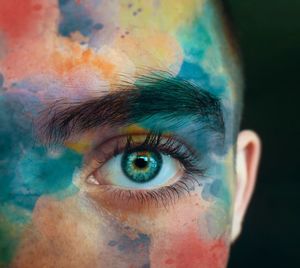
column 161, row 197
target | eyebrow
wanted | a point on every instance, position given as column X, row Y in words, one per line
column 154, row 97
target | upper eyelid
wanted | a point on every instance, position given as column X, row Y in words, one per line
column 189, row 159
column 172, row 138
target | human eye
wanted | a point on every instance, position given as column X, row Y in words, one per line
column 149, row 168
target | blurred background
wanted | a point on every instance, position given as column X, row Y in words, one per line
column 269, row 36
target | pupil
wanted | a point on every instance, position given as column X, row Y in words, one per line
column 141, row 162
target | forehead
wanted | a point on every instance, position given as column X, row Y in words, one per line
column 69, row 47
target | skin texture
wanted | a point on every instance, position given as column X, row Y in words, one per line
column 75, row 50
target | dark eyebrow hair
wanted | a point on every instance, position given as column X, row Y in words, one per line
column 159, row 97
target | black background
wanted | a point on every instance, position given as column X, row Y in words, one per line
column 269, row 36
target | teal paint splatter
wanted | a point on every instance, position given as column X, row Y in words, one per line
column 201, row 36
column 39, row 174
column 195, row 39
column 27, row 169
column 196, row 74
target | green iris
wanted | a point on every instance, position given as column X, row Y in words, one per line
column 140, row 165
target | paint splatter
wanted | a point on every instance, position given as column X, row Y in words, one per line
column 18, row 17
column 74, row 18
column 190, row 251
column 140, row 245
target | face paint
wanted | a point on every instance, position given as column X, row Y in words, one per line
column 160, row 68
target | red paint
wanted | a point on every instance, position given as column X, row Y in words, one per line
column 37, row 7
column 17, row 17
column 169, row 261
column 190, row 251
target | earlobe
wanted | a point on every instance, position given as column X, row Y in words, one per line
column 247, row 159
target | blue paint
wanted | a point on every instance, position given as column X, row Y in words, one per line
column 74, row 17
column 194, row 73
column 98, row 26
column 132, row 246
column 216, row 189
column 40, row 174
column 195, row 39
column 27, row 170
column 1, row 80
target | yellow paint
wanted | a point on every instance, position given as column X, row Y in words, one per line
column 136, row 129
column 151, row 39
column 152, row 49
column 82, row 145
column 159, row 15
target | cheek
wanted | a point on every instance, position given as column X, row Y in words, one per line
column 189, row 250
column 190, row 233
column 194, row 234
column 60, row 234
column 75, row 232
column 72, row 233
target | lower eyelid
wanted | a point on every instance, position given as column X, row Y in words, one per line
column 139, row 200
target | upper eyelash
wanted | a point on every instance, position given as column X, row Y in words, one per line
column 170, row 146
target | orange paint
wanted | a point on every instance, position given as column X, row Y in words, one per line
column 17, row 17
column 66, row 62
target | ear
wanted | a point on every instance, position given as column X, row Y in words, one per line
column 247, row 159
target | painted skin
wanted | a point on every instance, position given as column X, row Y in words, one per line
column 50, row 216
